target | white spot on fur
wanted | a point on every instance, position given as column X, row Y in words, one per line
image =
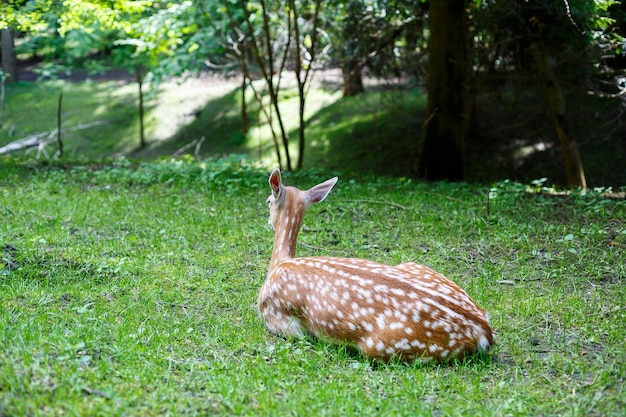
column 418, row 344
column 380, row 321
column 403, row 344
column 416, row 316
column 398, row 291
column 483, row 343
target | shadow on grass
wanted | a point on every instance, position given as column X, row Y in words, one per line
column 219, row 122
column 348, row 353
column 380, row 132
column 91, row 111
column 377, row 133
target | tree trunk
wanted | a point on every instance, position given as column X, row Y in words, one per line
column 9, row 61
column 574, row 171
column 266, row 63
column 245, row 126
column 302, row 69
column 59, row 122
column 448, row 107
column 139, row 79
column 352, row 79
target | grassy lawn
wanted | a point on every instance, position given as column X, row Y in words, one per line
column 100, row 118
column 131, row 290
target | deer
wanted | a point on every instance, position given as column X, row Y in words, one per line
column 408, row 311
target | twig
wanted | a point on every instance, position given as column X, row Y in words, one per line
column 182, row 150
column 196, row 153
column 27, row 142
column 59, row 111
column 174, row 304
column 2, row 95
column 571, row 19
column 506, row 282
column 91, row 391
column 385, row 202
column 86, row 125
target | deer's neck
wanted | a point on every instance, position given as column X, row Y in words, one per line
column 285, row 238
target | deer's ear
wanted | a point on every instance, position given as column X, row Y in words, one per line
column 276, row 183
column 320, row 191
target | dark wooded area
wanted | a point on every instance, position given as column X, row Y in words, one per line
column 448, row 109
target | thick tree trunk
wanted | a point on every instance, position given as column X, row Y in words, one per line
column 352, row 79
column 448, row 108
column 9, row 61
column 574, row 171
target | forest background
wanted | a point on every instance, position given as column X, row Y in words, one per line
column 449, row 90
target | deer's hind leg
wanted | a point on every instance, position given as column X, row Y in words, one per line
column 284, row 325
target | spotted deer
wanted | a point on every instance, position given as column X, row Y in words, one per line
column 407, row 311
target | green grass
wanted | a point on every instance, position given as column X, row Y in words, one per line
column 107, row 107
column 359, row 134
column 378, row 133
column 131, row 290
column 110, row 110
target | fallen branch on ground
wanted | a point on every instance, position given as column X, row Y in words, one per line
column 196, row 142
column 384, row 202
column 41, row 140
